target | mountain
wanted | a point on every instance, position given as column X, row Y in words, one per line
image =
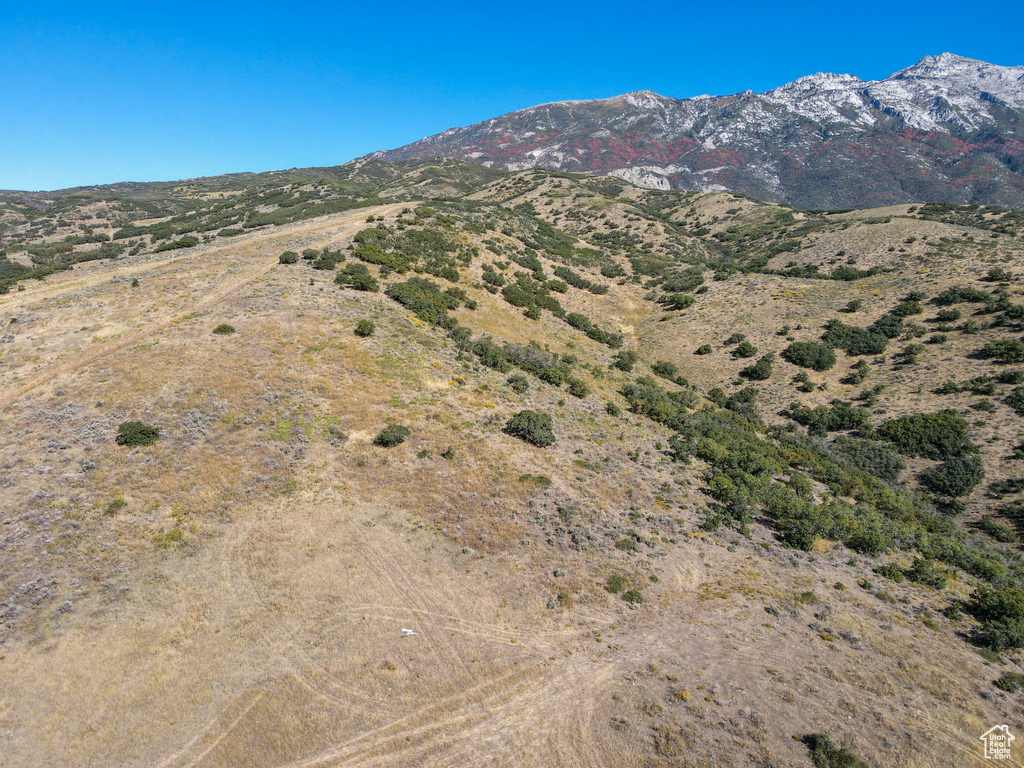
column 946, row 129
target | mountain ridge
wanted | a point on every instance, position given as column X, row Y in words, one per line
column 945, row 128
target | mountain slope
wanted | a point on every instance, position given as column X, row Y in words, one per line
column 722, row 548
column 947, row 128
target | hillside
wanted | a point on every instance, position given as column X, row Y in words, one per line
column 946, row 128
column 770, row 489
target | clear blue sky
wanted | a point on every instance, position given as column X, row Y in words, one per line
column 101, row 92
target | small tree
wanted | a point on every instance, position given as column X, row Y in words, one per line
column 288, row 257
column 365, row 328
column 132, row 433
column 533, row 427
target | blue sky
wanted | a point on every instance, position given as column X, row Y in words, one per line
column 100, row 92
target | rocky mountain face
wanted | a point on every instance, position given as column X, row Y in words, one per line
column 947, row 128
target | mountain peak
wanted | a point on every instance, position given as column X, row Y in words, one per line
column 825, row 140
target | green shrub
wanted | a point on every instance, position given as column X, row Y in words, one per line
column 932, row 435
column 223, row 329
column 357, row 277
column 744, row 349
column 825, row 754
column 856, row 341
column 923, row 571
column 703, row 349
column 625, row 360
column 761, row 370
column 633, row 596
column 877, row 459
column 365, row 328
column 961, row 293
column 136, row 433
column 577, row 388
column 612, row 409
column 948, row 315
column 1004, row 350
column 615, row 583
column 627, row 544
column 533, row 427
column 890, row 571
column 665, row 370
column 853, row 305
column 889, row 326
column 808, row 354
column 391, row 436
column 425, row 298
column 518, row 383
column 288, row 257
column 185, row 242
column 1011, row 682
column 1001, row 613
column 115, row 506
column 996, row 530
column 956, row 477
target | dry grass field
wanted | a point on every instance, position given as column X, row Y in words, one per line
column 236, row 593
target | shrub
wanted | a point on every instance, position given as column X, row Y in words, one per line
column 357, row 277
column 760, row 371
column 518, row 383
column 223, row 329
column 115, row 506
column 665, row 370
column 890, row 326
column 745, row 349
column 612, row 409
column 996, row 530
column 961, row 293
column 923, row 571
column 136, row 433
column 825, row 754
column 703, row 349
column 856, row 341
column 891, row 572
column 932, row 435
column 625, row 360
column 533, row 427
column 853, row 306
column 425, row 298
column 627, row 544
column 1004, row 350
column 957, row 477
column 808, row 354
column 1011, row 682
column 615, row 583
column 391, row 436
column 365, row 328
column 577, row 388
column 288, row 257
column 633, row 596
column 1001, row 613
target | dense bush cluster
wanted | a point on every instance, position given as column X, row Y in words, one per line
column 533, row 427
column 940, row 435
column 808, row 354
